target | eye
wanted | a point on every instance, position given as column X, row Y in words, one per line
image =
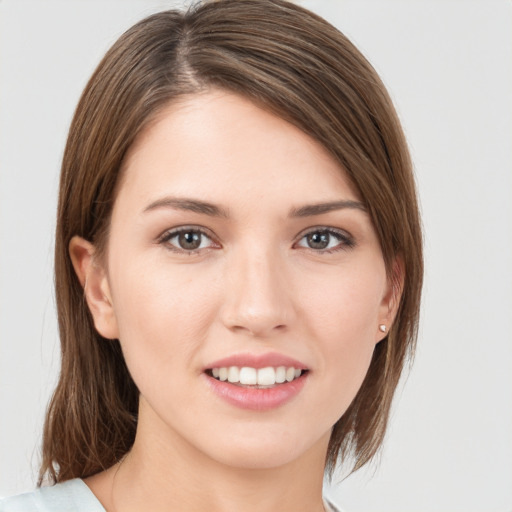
column 187, row 240
column 326, row 240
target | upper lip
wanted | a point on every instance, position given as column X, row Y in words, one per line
column 257, row 361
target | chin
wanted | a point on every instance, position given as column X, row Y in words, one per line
column 258, row 459
column 266, row 450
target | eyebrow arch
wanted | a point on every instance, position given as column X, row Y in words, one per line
column 192, row 205
column 318, row 209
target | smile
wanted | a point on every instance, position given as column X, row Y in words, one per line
column 258, row 382
column 256, row 377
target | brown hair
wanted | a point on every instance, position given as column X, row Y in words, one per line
column 290, row 62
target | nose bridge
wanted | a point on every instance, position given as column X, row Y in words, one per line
column 257, row 300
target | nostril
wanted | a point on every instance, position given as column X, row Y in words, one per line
column 258, row 329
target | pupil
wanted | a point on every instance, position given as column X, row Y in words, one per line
column 318, row 240
column 189, row 240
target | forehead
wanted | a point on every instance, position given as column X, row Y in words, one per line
column 223, row 147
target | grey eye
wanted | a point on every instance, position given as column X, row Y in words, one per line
column 189, row 240
column 326, row 240
column 318, row 240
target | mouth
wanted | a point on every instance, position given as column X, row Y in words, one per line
column 256, row 378
column 257, row 382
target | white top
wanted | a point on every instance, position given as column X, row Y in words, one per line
column 71, row 496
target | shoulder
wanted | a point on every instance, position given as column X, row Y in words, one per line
column 71, row 495
column 329, row 506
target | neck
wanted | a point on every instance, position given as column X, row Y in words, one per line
column 165, row 473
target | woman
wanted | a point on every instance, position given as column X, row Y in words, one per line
column 238, row 267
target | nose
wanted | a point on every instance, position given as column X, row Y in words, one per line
column 257, row 294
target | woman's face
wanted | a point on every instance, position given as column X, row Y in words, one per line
column 237, row 241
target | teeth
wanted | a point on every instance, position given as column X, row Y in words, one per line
column 233, row 374
column 266, row 376
column 223, row 373
column 248, row 376
column 280, row 374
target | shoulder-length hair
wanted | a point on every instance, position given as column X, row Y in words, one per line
column 290, row 62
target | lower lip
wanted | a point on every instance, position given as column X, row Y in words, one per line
column 254, row 398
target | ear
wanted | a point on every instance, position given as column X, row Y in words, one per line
column 93, row 278
column 391, row 300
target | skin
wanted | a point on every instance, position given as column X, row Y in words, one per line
column 255, row 285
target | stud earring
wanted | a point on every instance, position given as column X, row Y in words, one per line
column 382, row 328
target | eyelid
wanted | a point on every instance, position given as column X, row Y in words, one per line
column 170, row 233
column 347, row 240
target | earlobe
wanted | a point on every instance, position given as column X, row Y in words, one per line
column 93, row 278
column 391, row 300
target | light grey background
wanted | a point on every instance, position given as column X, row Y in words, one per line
column 448, row 65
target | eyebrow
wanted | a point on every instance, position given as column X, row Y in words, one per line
column 212, row 210
column 191, row 205
column 320, row 208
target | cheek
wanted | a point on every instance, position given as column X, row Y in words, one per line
column 342, row 313
column 163, row 313
column 344, row 303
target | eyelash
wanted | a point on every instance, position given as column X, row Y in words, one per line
column 169, row 235
column 346, row 241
